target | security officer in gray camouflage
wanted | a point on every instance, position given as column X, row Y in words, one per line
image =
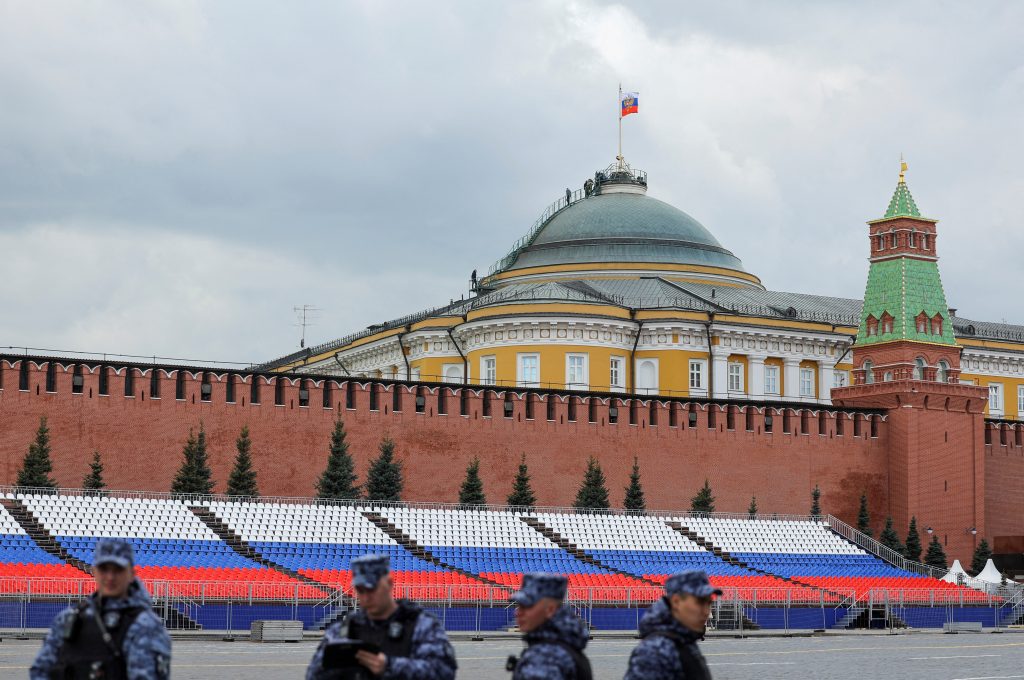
column 554, row 635
column 413, row 644
column 113, row 634
column 670, row 630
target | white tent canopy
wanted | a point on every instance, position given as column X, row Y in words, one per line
column 990, row 574
column 955, row 573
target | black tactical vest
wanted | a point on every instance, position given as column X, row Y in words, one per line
column 393, row 637
column 582, row 663
column 85, row 653
column 694, row 666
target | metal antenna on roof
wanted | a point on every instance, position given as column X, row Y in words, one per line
column 304, row 316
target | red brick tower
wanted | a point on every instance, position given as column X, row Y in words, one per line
column 907, row 360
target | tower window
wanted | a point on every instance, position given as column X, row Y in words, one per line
column 887, row 323
column 921, row 322
column 937, row 324
column 892, row 240
column 869, row 374
column 924, row 241
column 942, row 373
column 919, row 365
column 871, row 325
column 881, row 242
column 912, row 239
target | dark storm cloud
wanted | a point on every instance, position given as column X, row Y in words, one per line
column 171, row 165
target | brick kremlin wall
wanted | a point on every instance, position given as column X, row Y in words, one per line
column 678, row 443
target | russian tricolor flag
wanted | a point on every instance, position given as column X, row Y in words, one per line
column 630, row 103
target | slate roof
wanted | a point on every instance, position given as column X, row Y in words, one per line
column 658, row 293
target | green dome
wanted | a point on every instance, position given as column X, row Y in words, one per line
column 624, row 227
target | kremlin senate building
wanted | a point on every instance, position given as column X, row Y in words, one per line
column 618, row 327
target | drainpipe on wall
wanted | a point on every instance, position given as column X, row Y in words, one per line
column 343, row 367
column 711, row 357
column 405, row 357
column 465, row 361
column 632, row 352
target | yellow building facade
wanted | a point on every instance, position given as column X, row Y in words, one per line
column 614, row 291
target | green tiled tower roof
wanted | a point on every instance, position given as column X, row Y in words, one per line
column 904, row 287
column 902, row 203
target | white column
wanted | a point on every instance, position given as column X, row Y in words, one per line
column 755, row 376
column 791, row 370
column 720, row 386
column 824, row 381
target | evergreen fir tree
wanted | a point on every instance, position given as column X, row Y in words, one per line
column 634, row 499
column 472, row 491
column 592, row 494
column 522, row 493
column 384, row 479
column 936, row 556
column 816, row 502
column 752, row 510
column 242, row 480
column 982, row 554
column 703, row 501
column 194, row 475
column 338, row 480
column 889, row 538
column 94, row 480
column 863, row 518
column 913, row 548
column 37, row 466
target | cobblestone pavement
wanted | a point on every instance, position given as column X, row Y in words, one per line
column 925, row 656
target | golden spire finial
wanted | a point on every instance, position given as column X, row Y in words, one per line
column 903, row 169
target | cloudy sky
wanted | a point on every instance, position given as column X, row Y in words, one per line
column 176, row 177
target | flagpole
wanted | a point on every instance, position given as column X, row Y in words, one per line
column 619, row 157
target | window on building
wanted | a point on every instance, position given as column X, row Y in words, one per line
column 839, row 378
column 922, row 323
column 919, row 365
column 735, row 376
column 924, row 241
column 869, row 374
column 576, row 371
column 892, row 240
column 528, row 373
column 937, row 324
column 806, row 382
column 618, row 377
column 771, row 379
column 881, row 242
column 887, row 376
column 1020, row 402
column 488, row 370
column 912, row 239
column 887, row 323
column 871, row 325
column 942, row 372
column 995, row 398
column 697, row 369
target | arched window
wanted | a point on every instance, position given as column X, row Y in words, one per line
column 924, row 241
column 869, row 375
column 919, row 365
column 881, row 242
column 921, row 321
column 892, row 239
column 942, row 374
column 912, row 242
column 937, row 324
column 887, row 376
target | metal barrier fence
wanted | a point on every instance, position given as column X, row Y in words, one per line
column 30, row 605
